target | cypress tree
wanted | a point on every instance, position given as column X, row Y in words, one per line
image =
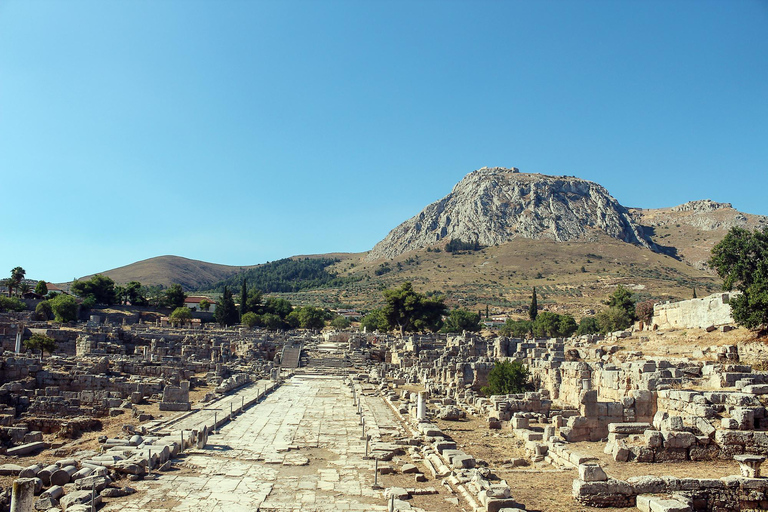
column 226, row 312
column 534, row 309
column 486, row 311
column 243, row 299
column 694, row 293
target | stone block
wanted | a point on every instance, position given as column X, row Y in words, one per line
column 744, row 417
column 654, row 439
column 628, row 428
column 756, row 389
column 592, row 472
column 678, row 439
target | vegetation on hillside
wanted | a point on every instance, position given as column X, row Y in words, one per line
column 288, row 275
column 460, row 245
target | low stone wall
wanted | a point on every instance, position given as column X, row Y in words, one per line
column 729, row 494
column 694, row 313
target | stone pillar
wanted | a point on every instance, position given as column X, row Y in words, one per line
column 421, row 407
column 23, row 495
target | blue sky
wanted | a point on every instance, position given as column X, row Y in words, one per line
column 238, row 132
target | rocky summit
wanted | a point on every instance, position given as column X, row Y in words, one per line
column 492, row 206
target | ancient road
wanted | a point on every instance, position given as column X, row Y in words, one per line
column 299, row 449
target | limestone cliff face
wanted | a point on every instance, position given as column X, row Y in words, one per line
column 494, row 206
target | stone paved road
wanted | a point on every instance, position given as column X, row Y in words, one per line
column 299, row 449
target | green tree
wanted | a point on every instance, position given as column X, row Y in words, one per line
column 250, row 319
column 622, row 299
column 375, row 321
column 43, row 310
column 613, row 319
column 310, row 317
column 205, row 304
column 243, row 299
column 741, row 260
column 533, row 309
column 226, row 312
column 340, row 322
column 306, row 317
column 271, row 321
column 694, row 293
column 175, row 296
column 516, row 328
column 180, row 316
column 40, row 342
column 24, row 287
column 410, row 311
column 64, row 308
column 460, row 320
column 506, row 377
column 13, row 282
column 253, row 302
column 8, row 283
column 553, row 325
column 133, row 292
column 588, row 325
column 101, row 288
column 277, row 306
column 11, row 304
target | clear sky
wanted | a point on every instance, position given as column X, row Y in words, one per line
column 239, row 132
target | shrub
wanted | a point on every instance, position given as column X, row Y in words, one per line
column 506, row 377
column 43, row 310
column 644, row 311
column 64, row 308
column 11, row 304
column 588, row 325
column 613, row 319
column 180, row 316
column 250, row 319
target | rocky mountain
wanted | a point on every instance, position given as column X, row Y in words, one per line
column 492, row 206
column 693, row 228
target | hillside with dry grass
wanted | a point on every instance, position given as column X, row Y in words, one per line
column 167, row 270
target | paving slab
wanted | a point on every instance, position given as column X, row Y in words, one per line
column 300, row 448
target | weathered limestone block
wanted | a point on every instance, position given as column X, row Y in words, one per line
column 610, row 493
column 592, row 472
column 678, row 440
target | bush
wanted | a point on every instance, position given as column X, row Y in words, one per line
column 64, row 308
column 460, row 320
column 340, row 322
column 644, row 311
column 43, row 310
column 588, row 325
column 375, row 321
column 516, row 328
column 553, row 325
column 180, row 316
column 250, row 319
column 11, row 304
column 506, row 377
column 613, row 319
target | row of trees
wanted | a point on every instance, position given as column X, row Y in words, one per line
column 101, row 289
column 407, row 310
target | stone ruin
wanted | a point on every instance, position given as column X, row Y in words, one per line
column 641, row 409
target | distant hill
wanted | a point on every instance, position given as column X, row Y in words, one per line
column 507, row 232
column 287, row 275
column 167, row 270
column 693, row 228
